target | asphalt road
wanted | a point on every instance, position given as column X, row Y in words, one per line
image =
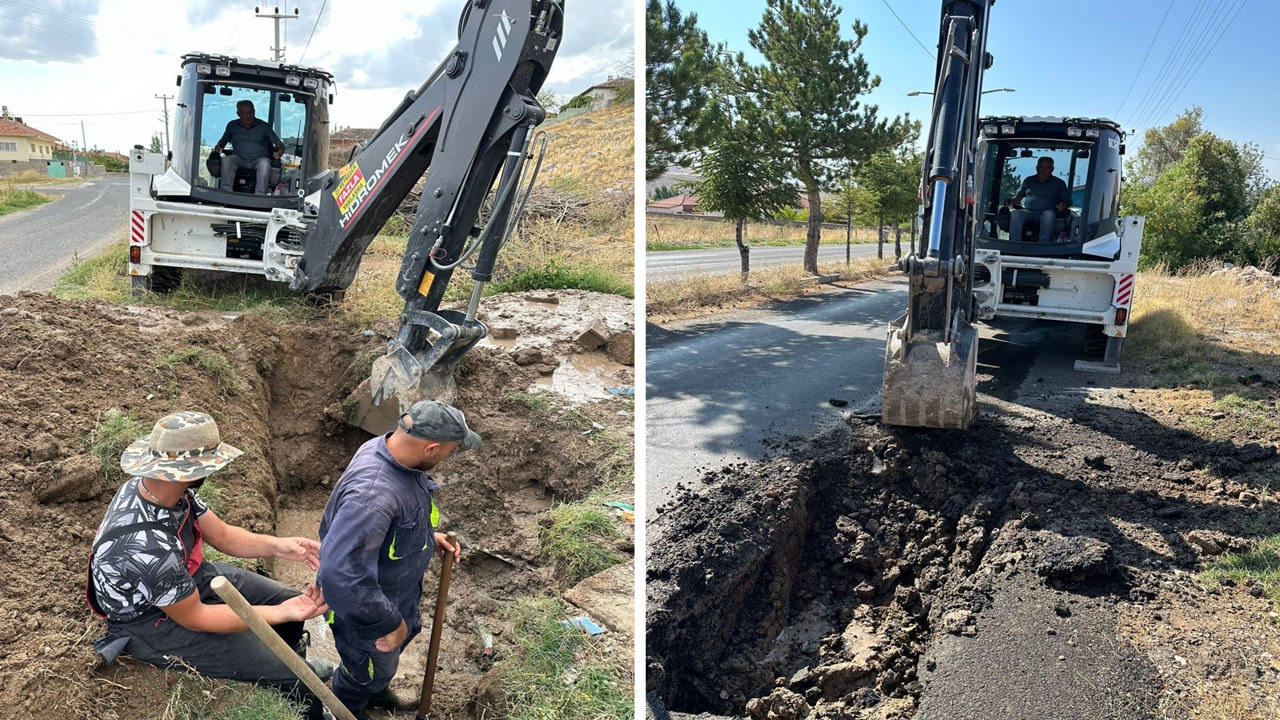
column 725, row 260
column 40, row 243
column 719, row 387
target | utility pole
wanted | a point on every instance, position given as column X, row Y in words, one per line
column 166, row 99
column 83, row 141
column 278, row 17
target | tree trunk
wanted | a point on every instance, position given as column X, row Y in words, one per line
column 848, row 237
column 897, row 240
column 880, row 238
column 744, row 252
column 814, row 235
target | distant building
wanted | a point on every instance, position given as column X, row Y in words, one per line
column 606, row 93
column 21, row 143
column 678, row 205
column 342, row 141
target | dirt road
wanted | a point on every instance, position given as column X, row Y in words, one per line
column 40, row 243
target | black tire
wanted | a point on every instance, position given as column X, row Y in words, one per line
column 1095, row 340
column 165, row 280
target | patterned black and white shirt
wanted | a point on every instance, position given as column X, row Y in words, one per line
column 146, row 568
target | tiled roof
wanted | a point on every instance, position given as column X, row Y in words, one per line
column 11, row 128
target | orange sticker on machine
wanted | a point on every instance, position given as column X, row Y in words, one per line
column 351, row 182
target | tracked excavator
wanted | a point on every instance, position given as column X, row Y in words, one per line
column 469, row 125
column 973, row 262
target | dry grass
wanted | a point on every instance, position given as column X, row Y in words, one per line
column 596, row 149
column 1204, row 330
column 697, row 295
column 668, row 233
column 35, row 177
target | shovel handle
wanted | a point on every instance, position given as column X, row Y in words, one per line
column 437, row 625
column 234, row 600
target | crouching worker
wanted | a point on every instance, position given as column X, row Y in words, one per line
column 149, row 579
column 378, row 534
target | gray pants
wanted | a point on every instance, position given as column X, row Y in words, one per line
column 238, row 656
column 1020, row 218
column 233, row 162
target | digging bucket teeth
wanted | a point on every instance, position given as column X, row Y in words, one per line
column 928, row 382
column 401, row 377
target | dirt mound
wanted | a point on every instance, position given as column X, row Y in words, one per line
column 897, row 573
column 275, row 390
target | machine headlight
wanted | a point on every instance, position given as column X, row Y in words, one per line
column 222, row 71
column 204, row 68
column 1074, row 132
column 1092, row 132
column 990, row 130
column 310, row 83
column 1006, row 129
column 292, row 81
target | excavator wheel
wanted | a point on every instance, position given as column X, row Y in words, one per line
column 1095, row 340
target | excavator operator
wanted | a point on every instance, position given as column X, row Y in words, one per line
column 1039, row 199
column 254, row 143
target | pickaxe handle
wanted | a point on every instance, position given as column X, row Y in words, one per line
column 437, row 625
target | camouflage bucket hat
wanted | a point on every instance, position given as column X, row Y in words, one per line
column 182, row 447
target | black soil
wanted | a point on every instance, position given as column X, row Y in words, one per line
column 904, row 573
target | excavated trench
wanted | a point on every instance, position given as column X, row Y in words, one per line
column 279, row 392
column 846, row 580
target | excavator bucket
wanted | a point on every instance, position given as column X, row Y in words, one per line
column 400, row 378
column 928, row 382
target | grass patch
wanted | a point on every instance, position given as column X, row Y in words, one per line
column 557, row 672
column 197, row 698
column 113, row 433
column 555, row 276
column 1260, row 565
column 15, row 199
column 687, row 296
column 213, row 363
column 538, row 402
column 576, row 541
column 665, row 233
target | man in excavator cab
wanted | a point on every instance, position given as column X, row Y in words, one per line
column 253, row 142
column 1040, row 198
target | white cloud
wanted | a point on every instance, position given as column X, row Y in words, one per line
column 377, row 49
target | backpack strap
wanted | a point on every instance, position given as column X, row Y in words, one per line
column 114, row 533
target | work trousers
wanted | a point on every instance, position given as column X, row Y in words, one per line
column 237, row 656
column 1020, row 218
column 233, row 162
column 365, row 671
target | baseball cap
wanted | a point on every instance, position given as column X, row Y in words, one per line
column 434, row 420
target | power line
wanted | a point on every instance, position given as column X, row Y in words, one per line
column 1144, row 58
column 904, row 27
column 1225, row 27
column 1196, row 54
column 127, row 112
column 313, row 32
column 1141, row 109
column 72, row 18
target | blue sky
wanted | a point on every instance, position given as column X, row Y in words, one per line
column 1071, row 58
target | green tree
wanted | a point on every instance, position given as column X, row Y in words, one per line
column 892, row 179
column 157, row 144
column 548, row 100
column 743, row 184
column 1164, row 146
column 679, row 60
column 804, row 99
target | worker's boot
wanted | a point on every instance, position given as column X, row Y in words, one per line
column 391, row 700
column 321, row 667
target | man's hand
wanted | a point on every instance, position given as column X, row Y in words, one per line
column 1062, row 205
column 393, row 639
column 299, row 549
column 443, row 547
column 305, row 606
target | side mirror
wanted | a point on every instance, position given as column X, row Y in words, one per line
column 1121, row 148
column 330, row 98
column 179, row 81
column 1082, row 153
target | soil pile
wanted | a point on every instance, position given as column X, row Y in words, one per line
column 1010, row 571
column 277, row 392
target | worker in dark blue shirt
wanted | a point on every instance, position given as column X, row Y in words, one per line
column 377, row 536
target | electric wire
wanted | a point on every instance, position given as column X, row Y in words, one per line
column 72, row 34
column 904, row 27
column 313, row 32
column 72, row 18
column 1196, row 54
column 1144, row 57
column 1191, row 76
column 1167, row 65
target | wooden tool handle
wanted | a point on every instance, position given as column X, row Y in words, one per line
column 437, row 624
column 234, row 600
